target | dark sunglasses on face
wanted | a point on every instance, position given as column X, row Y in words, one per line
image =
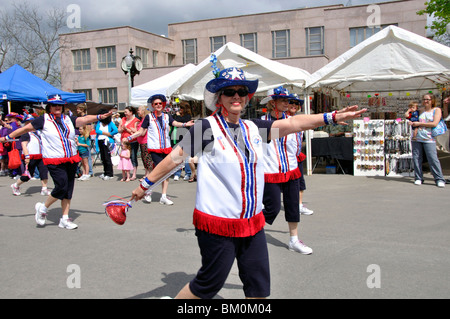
column 157, row 103
column 231, row 92
column 294, row 102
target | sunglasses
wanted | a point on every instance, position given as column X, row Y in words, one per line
column 231, row 92
column 157, row 103
column 294, row 102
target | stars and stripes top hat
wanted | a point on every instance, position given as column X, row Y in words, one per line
column 224, row 78
column 55, row 99
column 275, row 93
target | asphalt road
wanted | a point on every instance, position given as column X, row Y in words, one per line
column 373, row 237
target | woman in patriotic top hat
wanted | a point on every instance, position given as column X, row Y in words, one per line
column 157, row 127
column 281, row 170
column 59, row 153
column 228, row 211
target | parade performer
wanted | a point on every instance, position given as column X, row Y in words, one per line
column 157, row 123
column 281, row 173
column 59, row 153
column 228, row 210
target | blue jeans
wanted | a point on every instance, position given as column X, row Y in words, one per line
column 187, row 169
column 418, row 148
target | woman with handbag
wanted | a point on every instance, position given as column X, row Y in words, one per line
column 425, row 142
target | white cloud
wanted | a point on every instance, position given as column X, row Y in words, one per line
column 154, row 16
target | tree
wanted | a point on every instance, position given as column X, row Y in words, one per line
column 440, row 9
column 31, row 40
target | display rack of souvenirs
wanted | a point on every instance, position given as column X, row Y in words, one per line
column 368, row 147
column 398, row 148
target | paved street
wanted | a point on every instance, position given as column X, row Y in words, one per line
column 372, row 238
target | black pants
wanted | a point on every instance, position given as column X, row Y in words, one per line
column 105, row 155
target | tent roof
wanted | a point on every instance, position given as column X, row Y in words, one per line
column 17, row 84
column 141, row 93
column 269, row 73
column 391, row 60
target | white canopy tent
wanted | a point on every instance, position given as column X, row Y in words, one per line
column 392, row 61
column 141, row 93
column 270, row 73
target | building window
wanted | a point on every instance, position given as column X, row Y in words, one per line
column 106, row 57
column 315, row 41
column 155, row 58
column 107, row 95
column 249, row 41
column 189, row 51
column 358, row 35
column 280, row 44
column 81, row 59
column 87, row 92
column 143, row 54
column 171, row 58
column 217, row 42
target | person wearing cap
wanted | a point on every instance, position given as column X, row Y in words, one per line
column 32, row 157
column 281, row 173
column 228, row 214
column 295, row 104
column 59, row 153
column 157, row 124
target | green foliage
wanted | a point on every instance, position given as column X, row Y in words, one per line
column 440, row 9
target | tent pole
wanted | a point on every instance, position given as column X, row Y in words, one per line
column 308, row 137
column 9, row 107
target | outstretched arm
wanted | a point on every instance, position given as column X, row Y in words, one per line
column 303, row 122
column 169, row 163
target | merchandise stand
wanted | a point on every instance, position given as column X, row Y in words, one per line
column 398, row 148
column 368, row 147
column 382, row 148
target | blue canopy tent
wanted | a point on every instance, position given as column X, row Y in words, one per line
column 17, row 84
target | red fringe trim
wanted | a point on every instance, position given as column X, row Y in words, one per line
column 33, row 156
column 301, row 157
column 57, row 161
column 166, row 150
column 229, row 227
column 276, row 178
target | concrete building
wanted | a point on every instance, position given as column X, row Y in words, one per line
column 307, row 38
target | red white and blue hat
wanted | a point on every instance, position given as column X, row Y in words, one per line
column 227, row 77
column 294, row 97
column 150, row 100
column 276, row 93
column 55, row 99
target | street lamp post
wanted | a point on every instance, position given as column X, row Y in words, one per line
column 131, row 65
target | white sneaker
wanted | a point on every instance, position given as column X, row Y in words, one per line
column 300, row 247
column 305, row 211
column 45, row 192
column 101, row 176
column 84, row 178
column 107, row 178
column 441, row 184
column 67, row 224
column 165, row 201
column 15, row 189
column 187, row 177
column 41, row 214
column 418, row 182
column 176, row 178
column 148, row 198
